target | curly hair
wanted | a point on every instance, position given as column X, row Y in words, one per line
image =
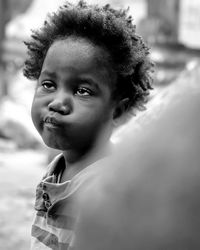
column 109, row 28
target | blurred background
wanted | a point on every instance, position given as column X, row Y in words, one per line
column 171, row 28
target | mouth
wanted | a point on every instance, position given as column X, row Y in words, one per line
column 51, row 122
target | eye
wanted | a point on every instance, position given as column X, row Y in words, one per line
column 82, row 91
column 48, row 85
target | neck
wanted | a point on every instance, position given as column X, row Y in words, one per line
column 76, row 162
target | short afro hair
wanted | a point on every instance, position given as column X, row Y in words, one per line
column 109, row 28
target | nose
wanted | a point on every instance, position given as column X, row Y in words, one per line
column 61, row 104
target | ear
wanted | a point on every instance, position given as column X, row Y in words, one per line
column 120, row 108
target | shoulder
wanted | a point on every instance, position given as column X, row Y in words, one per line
column 92, row 173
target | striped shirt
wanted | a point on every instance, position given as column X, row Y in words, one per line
column 56, row 207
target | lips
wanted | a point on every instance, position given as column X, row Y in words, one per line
column 51, row 121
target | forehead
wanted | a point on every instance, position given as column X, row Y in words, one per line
column 77, row 54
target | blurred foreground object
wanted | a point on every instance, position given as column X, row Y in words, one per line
column 147, row 195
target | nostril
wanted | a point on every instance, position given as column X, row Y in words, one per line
column 64, row 111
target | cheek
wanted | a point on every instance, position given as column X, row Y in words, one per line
column 94, row 115
column 96, row 120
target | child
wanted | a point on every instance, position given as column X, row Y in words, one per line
column 91, row 69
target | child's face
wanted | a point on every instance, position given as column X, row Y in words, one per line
column 72, row 105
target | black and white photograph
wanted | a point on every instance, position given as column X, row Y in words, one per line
column 99, row 125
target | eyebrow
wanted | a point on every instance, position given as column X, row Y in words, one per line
column 48, row 73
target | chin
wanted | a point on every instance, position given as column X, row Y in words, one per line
column 54, row 144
